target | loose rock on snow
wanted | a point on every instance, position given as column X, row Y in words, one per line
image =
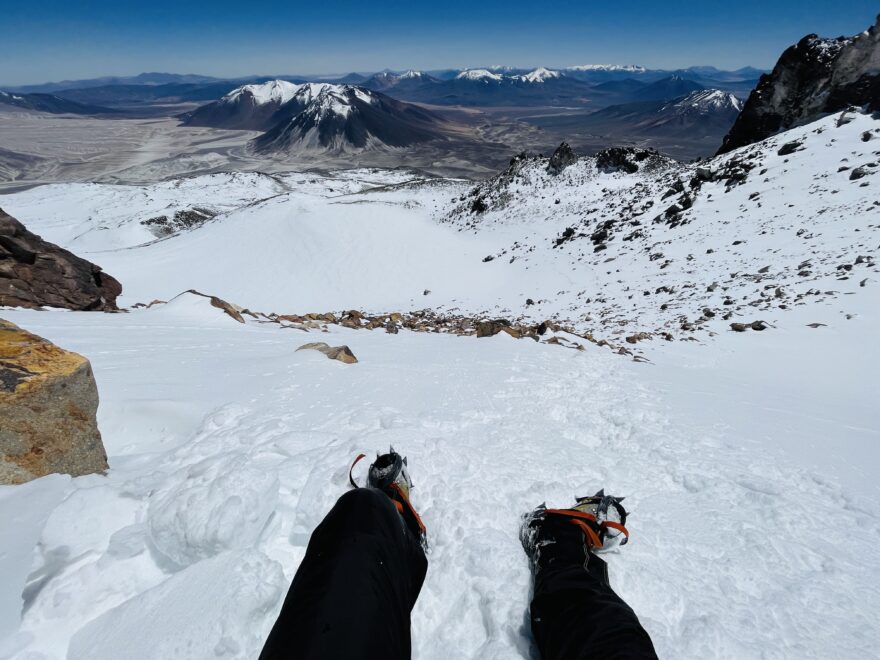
column 341, row 353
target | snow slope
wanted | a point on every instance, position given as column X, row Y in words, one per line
column 186, row 548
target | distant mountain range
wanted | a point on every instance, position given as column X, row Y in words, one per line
column 51, row 104
column 387, row 109
column 140, row 79
column 588, row 85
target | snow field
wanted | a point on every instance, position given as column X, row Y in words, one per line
column 186, row 548
column 748, row 459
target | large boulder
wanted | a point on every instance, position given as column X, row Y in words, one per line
column 814, row 77
column 48, row 402
column 35, row 273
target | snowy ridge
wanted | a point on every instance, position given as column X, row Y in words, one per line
column 331, row 97
column 626, row 68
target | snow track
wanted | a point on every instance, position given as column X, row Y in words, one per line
column 186, row 548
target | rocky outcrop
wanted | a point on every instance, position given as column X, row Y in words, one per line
column 48, row 402
column 626, row 159
column 35, row 273
column 185, row 220
column 561, row 158
column 814, row 77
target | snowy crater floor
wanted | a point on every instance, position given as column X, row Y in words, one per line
column 670, row 252
column 227, row 447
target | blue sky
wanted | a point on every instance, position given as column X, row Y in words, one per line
column 66, row 39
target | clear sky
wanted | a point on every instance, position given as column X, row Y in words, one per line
column 67, row 39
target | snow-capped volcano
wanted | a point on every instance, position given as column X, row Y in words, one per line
column 482, row 75
column 704, row 101
column 342, row 117
column 704, row 114
column 539, row 75
column 261, row 107
column 251, row 107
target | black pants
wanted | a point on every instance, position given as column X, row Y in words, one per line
column 353, row 593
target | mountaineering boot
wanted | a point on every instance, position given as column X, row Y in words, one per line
column 388, row 473
column 593, row 525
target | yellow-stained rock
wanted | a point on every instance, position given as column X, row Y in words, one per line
column 48, row 402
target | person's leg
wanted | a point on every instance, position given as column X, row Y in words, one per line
column 353, row 593
column 575, row 614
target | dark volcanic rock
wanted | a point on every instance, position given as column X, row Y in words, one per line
column 627, row 159
column 814, row 77
column 561, row 158
column 35, row 273
column 163, row 226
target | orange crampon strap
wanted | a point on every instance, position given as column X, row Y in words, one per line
column 400, row 507
column 356, row 461
column 578, row 518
